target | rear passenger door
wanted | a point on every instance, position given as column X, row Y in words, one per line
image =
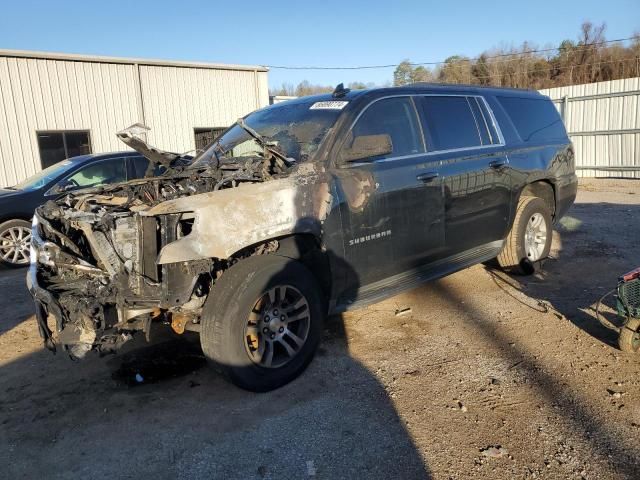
column 461, row 133
column 391, row 204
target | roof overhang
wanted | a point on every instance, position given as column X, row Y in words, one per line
column 72, row 57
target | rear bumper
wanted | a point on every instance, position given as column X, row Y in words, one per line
column 566, row 190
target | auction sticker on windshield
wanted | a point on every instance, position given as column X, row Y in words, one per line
column 330, row 105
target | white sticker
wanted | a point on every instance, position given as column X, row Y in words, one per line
column 330, row 105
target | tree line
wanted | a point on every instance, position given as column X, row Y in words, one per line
column 587, row 59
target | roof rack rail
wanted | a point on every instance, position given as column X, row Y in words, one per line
column 464, row 85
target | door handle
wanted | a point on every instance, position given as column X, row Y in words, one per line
column 498, row 164
column 427, row 177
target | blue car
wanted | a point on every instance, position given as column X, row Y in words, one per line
column 18, row 202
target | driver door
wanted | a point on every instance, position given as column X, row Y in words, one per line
column 391, row 204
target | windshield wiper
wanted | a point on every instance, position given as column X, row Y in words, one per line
column 262, row 141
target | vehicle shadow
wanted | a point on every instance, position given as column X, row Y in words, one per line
column 581, row 420
column 21, row 301
column 599, row 250
column 157, row 410
column 599, row 240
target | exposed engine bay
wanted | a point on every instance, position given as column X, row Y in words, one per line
column 105, row 266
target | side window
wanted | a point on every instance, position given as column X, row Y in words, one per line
column 481, row 121
column 392, row 122
column 450, row 123
column 534, row 119
column 99, row 173
column 139, row 167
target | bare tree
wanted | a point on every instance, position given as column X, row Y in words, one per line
column 587, row 59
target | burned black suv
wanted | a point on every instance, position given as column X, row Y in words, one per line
column 300, row 210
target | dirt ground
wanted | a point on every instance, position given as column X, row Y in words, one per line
column 481, row 360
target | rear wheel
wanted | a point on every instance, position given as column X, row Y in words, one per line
column 629, row 339
column 529, row 240
column 15, row 241
column 263, row 321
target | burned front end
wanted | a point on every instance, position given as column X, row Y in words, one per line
column 111, row 260
column 108, row 262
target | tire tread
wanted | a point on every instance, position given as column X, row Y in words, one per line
column 508, row 259
column 222, row 307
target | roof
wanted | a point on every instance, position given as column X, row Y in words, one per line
column 465, row 86
column 72, row 57
column 413, row 88
column 456, row 88
column 325, row 97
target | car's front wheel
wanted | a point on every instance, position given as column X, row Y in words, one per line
column 15, row 241
column 263, row 321
column 529, row 240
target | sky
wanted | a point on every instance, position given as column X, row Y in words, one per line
column 303, row 33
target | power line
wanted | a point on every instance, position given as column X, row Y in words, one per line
column 416, row 64
column 511, row 75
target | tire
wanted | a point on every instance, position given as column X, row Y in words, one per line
column 15, row 236
column 232, row 333
column 629, row 339
column 516, row 256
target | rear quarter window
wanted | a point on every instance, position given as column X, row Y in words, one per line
column 534, row 119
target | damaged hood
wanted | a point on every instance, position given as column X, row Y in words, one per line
column 131, row 136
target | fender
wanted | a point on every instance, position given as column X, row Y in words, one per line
column 226, row 221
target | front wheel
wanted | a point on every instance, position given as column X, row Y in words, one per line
column 529, row 240
column 263, row 321
column 15, row 241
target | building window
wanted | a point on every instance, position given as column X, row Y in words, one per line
column 56, row 146
column 204, row 136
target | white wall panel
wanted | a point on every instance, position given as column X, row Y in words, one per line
column 40, row 92
column 43, row 94
column 177, row 100
column 597, row 116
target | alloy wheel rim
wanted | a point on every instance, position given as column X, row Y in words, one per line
column 535, row 237
column 277, row 327
column 15, row 243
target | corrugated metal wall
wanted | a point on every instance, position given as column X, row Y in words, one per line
column 177, row 100
column 38, row 95
column 45, row 94
column 603, row 120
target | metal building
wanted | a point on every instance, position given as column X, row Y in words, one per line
column 53, row 106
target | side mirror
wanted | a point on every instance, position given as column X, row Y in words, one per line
column 366, row 146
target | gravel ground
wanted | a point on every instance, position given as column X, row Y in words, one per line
column 487, row 376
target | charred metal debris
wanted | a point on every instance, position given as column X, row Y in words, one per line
column 96, row 252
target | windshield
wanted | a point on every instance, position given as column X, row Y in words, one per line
column 45, row 176
column 293, row 128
